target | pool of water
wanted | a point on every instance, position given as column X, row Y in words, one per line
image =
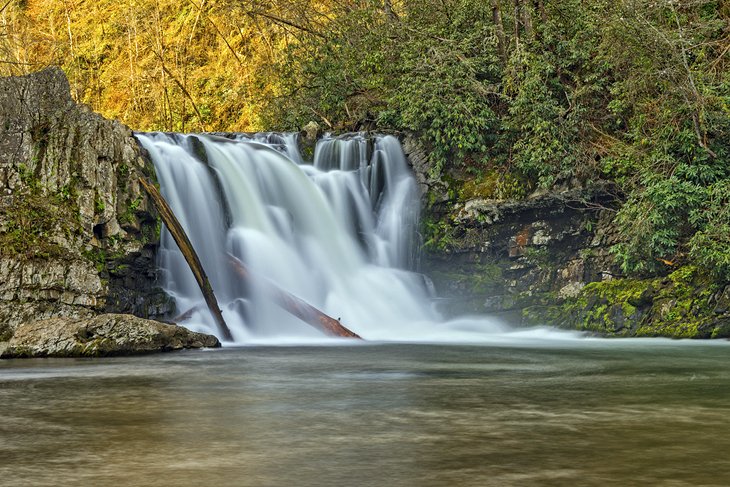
column 582, row 412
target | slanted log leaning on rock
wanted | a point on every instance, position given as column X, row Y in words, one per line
column 183, row 242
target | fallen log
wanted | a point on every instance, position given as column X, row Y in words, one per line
column 294, row 305
column 183, row 317
column 183, row 243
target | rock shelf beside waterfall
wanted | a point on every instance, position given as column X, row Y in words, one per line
column 103, row 335
column 78, row 238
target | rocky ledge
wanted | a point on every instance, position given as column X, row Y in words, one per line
column 102, row 335
column 78, row 235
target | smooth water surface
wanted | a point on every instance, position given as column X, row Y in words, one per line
column 579, row 412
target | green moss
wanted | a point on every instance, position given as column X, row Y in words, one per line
column 28, row 178
column 722, row 330
column 97, row 256
column 66, row 194
column 151, row 233
column 6, row 333
column 677, row 306
column 492, row 185
column 31, row 222
column 99, row 205
column 129, row 214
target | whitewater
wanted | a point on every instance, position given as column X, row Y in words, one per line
column 340, row 232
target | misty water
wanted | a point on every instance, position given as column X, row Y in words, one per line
column 560, row 412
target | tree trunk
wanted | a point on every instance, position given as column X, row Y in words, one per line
column 517, row 22
column 499, row 29
column 294, row 305
column 527, row 20
column 181, row 238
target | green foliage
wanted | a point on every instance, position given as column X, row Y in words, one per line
column 556, row 82
column 437, row 234
column 710, row 245
column 544, row 94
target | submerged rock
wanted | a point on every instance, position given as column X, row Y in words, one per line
column 102, row 335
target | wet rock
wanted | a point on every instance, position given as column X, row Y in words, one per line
column 311, row 130
column 102, row 335
column 722, row 301
column 429, row 184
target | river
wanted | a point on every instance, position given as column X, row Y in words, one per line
column 533, row 412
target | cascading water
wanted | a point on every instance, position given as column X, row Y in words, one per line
column 339, row 233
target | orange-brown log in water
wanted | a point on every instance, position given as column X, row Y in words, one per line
column 294, row 305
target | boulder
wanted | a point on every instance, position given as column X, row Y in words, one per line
column 102, row 335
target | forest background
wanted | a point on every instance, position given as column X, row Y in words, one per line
column 509, row 96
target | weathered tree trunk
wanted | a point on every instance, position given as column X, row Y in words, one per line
column 541, row 9
column 499, row 29
column 294, row 305
column 517, row 22
column 181, row 238
column 185, row 316
column 527, row 19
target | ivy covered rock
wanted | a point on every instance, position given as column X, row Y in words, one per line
column 685, row 304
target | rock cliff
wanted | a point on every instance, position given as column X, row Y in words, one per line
column 505, row 256
column 77, row 234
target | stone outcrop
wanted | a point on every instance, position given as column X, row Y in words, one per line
column 546, row 259
column 103, row 335
column 78, row 236
column 683, row 304
column 503, row 256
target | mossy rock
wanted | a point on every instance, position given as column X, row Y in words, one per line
column 677, row 306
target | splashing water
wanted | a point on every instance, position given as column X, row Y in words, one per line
column 340, row 233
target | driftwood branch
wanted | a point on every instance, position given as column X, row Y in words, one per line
column 294, row 305
column 181, row 238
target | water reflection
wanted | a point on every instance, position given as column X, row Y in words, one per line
column 372, row 416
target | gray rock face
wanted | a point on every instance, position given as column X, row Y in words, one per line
column 504, row 256
column 78, row 236
column 431, row 186
column 103, row 335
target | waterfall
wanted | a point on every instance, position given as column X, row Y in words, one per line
column 339, row 232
